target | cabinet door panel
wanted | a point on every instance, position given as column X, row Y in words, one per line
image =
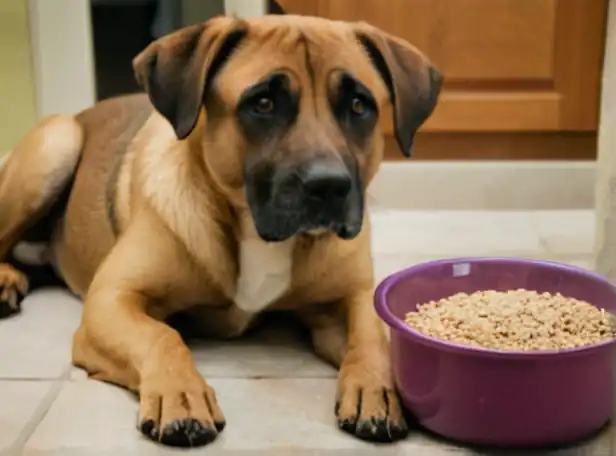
column 509, row 65
column 472, row 40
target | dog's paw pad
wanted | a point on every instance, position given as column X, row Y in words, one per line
column 380, row 430
column 348, row 425
column 149, row 429
column 187, row 433
column 13, row 288
column 372, row 414
column 220, row 425
column 10, row 301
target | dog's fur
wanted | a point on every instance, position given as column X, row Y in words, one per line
column 234, row 187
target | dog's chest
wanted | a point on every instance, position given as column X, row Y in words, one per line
column 265, row 273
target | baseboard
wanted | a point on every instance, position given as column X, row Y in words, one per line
column 498, row 185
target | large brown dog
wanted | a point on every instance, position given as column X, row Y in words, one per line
column 237, row 185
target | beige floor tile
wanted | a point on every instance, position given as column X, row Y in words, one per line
column 37, row 342
column 19, row 401
column 566, row 232
column 281, row 415
column 586, row 263
column 277, row 350
column 88, row 417
column 385, row 265
column 269, row 417
column 454, row 233
column 262, row 415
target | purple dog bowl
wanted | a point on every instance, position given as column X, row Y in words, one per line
column 492, row 397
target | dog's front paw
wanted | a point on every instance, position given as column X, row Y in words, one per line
column 369, row 408
column 13, row 288
column 181, row 411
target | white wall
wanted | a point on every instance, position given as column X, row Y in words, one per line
column 246, row 8
column 63, row 55
column 605, row 240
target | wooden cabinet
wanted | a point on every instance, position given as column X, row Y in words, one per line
column 522, row 77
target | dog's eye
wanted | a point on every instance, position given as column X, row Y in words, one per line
column 264, row 105
column 358, row 106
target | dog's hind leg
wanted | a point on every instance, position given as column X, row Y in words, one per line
column 32, row 177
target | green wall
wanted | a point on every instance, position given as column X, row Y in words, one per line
column 17, row 90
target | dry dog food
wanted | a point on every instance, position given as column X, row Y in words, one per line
column 514, row 320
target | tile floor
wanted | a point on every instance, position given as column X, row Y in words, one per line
column 277, row 396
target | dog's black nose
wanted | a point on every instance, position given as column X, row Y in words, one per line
column 326, row 180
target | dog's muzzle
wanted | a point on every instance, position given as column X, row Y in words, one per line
column 313, row 197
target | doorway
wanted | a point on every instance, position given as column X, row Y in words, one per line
column 82, row 51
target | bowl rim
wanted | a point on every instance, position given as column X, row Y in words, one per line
column 382, row 309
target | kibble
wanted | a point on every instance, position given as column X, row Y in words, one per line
column 520, row 320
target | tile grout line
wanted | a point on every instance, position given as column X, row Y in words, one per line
column 520, row 254
column 17, row 447
column 27, row 379
column 543, row 242
column 415, row 259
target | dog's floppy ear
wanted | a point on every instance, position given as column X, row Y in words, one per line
column 177, row 69
column 412, row 81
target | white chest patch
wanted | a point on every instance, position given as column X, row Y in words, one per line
column 265, row 273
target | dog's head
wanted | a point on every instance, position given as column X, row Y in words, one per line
column 289, row 110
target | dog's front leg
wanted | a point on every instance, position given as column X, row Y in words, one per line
column 123, row 340
column 123, row 345
column 367, row 403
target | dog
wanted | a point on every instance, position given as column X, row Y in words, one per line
column 235, row 185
